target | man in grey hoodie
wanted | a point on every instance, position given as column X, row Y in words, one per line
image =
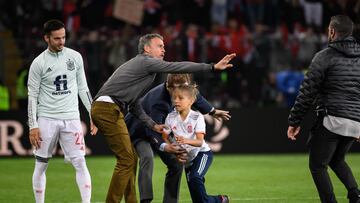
column 123, row 90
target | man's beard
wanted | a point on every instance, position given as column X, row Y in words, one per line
column 58, row 48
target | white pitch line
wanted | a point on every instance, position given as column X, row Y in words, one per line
column 262, row 198
column 253, row 199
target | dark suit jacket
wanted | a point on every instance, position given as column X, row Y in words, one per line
column 157, row 104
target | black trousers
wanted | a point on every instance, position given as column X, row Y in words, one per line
column 329, row 149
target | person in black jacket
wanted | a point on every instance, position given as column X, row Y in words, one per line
column 332, row 83
column 157, row 104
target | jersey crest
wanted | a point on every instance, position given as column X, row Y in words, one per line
column 70, row 65
column 189, row 128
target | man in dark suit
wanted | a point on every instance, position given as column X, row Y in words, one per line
column 157, row 104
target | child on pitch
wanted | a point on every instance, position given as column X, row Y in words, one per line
column 187, row 128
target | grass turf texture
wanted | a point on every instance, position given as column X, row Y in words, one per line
column 245, row 178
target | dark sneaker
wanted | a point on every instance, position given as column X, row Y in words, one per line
column 355, row 199
column 354, row 196
column 224, row 198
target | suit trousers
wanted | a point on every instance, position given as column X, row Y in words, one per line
column 146, row 163
column 110, row 121
column 329, row 149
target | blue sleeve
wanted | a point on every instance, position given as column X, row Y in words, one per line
column 137, row 110
column 202, row 104
column 158, row 114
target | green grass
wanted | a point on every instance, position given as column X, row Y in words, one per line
column 245, row 178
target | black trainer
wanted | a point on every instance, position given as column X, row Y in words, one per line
column 354, row 196
column 355, row 199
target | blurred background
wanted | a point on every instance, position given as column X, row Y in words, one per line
column 274, row 40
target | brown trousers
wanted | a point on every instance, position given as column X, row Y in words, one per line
column 110, row 121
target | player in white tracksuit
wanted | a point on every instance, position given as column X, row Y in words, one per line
column 56, row 79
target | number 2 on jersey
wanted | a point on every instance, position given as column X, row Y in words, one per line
column 79, row 139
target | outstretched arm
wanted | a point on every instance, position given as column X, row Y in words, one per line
column 205, row 107
column 220, row 114
column 224, row 62
column 154, row 65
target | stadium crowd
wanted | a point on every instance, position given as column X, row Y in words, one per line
column 274, row 40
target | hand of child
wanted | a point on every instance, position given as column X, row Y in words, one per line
column 174, row 148
column 180, row 139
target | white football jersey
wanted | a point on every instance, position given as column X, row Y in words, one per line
column 55, row 81
column 194, row 123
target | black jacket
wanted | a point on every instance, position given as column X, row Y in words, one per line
column 332, row 83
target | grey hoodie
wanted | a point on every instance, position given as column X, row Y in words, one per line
column 132, row 80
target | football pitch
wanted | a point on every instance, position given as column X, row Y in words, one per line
column 244, row 178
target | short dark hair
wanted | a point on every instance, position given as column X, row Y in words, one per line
column 177, row 79
column 145, row 40
column 342, row 25
column 52, row 25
